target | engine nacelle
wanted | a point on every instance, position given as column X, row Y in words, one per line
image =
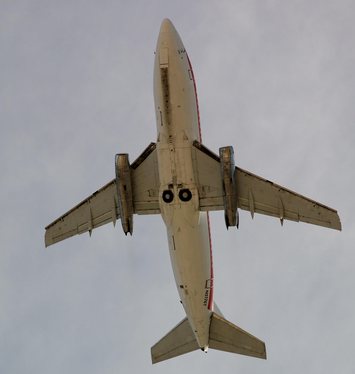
column 229, row 182
column 124, row 191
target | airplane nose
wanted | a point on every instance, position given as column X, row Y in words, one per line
column 168, row 36
column 168, row 43
column 166, row 26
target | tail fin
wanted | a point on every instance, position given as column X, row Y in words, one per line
column 224, row 336
column 178, row 341
column 227, row 337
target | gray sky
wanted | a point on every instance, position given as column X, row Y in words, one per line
column 275, row 79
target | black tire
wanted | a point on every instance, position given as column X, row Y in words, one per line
column 168, row 196
column 185, row 194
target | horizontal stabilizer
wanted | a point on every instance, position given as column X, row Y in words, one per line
column 178, row 341
column 227, row 337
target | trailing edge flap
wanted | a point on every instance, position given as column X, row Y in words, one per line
column 208, row 175
column 178, row 341
column 256, row 194
column 224, row 336
column 102, row 206
column 145, row 182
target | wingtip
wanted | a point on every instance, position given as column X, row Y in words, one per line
column 47, row 241
column 337, row 225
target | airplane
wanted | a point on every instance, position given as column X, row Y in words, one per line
column 181, row 179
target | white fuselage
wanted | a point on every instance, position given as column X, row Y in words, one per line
column 187, row 228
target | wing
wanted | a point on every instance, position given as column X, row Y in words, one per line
column 102, row 206
column 258, row 195
column 96, row 210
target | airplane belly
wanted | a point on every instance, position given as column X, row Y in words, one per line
column 187, row 227
column 189, row 247
column 188, row 235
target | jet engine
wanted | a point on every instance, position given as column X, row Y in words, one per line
column 124, row 191
column 229, row 182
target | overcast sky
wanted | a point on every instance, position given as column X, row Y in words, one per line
column 275, row 79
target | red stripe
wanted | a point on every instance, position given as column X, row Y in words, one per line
column 197, row 107
column 210, row 301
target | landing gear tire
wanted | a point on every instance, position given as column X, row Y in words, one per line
column 168, row 196
column 185, row 194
